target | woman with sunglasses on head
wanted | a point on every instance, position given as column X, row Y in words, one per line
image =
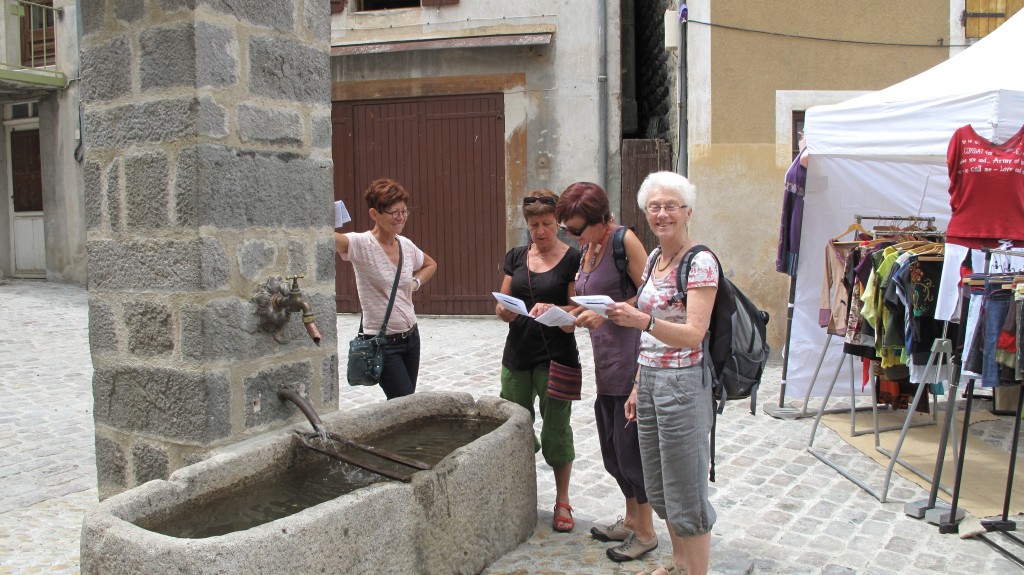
column 672, row 399
column 374, row 257
column 584, row 213
column 541, row 274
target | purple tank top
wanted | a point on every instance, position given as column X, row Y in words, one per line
column 615, row 347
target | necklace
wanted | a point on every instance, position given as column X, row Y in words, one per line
column 661, row 258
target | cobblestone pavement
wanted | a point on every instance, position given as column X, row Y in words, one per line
column 780, row 511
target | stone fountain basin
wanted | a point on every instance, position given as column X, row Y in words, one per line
column 477, row 504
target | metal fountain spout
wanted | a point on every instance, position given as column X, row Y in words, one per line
column 294, row 302
column 275, row 302
column 286, row 393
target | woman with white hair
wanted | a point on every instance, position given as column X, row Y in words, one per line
column 672, row 399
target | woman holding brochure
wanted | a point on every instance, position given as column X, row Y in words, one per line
column 671, row 400
column 541, row 275
column 583, row 211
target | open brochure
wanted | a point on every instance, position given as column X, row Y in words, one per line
column 595, row 303
column 554, row 317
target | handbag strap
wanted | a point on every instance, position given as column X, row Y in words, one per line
column 391, row 301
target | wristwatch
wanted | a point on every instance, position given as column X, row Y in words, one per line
column 650, row 326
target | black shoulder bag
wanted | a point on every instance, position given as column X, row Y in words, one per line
column 366, row 354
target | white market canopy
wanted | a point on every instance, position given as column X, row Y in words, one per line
column 884, row 153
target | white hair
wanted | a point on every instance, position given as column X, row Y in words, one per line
column 670, row 182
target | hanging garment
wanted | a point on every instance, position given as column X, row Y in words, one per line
column 792, row 218
column 986, row 188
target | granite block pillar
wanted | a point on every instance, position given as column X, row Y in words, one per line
column 206, row 174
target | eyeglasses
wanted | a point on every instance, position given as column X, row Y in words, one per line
column 654, row 209
column 547, row 200
column 573, row 231
column 396, row 214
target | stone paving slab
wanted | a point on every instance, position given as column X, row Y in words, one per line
column 781, row 511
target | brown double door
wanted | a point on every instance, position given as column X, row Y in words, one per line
column 449, row 152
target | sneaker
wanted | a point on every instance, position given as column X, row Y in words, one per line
column 632, row 548
column 614, row 532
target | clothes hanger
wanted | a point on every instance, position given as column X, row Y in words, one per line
column 854, row 227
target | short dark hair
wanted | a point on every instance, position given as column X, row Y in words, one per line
column 584, row 199
column 531, row 210
column 385, row 192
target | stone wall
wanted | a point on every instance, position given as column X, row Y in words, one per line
column 208, row 170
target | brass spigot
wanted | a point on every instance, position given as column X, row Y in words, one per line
column 294, row 303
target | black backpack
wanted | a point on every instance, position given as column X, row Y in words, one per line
column 736, row 343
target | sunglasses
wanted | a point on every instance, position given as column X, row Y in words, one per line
column 546, row 200
column 573, row 231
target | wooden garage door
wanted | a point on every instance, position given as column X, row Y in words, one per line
column 449, row 153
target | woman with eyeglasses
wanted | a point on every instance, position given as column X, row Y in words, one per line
column 541, row 274
column 374, row 257
column 671, row 399
column 583, row 211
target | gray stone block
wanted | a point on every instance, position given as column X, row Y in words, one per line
column 112, row 191
column 102, row 327
column 281, row 189
column 325, row 260
column 150, row 328
column 146, row 190
column 269, row 126
column 176, row 5
column 329, row 383
column 217, row 58
column 325, row 308
column 262, row 405
column 276, row 14
column 137, row 265
column 179, row 405
column 94, row 16
column 150, row 122
column 297, row 260
column 149, row 462
column 111, row 466
column 167, row 57
column 106, row 71
column 317, row 19
column 214, row 273
column 322, row 130
column 186, row 193
column 213, row 119
column 92, row 175
column 130, row 10
column 223, row 329
column 291, row 71
column 254, row 257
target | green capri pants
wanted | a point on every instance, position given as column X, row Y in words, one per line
column 522, row 386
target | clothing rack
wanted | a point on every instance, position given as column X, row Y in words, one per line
column 824, row 349
column 1003, row 525
column 939, row 356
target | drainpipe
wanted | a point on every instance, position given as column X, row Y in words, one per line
column 602, row 95
column 684, row 125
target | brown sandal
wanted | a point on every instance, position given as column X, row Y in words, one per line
column 563, row 524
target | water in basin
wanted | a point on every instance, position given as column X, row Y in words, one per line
column 313, row 479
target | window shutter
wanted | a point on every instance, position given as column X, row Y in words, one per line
column 337, row 6
column 983, row 16
column 438, row 2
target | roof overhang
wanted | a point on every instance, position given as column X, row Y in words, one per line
column 29, row 83
column 382, row 41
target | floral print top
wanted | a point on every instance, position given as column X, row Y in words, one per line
column 655, row 299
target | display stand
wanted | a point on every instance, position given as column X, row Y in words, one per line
column 1003, row 525
column 894, row 455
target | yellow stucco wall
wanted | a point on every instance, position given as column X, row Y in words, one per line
column 738, row 155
